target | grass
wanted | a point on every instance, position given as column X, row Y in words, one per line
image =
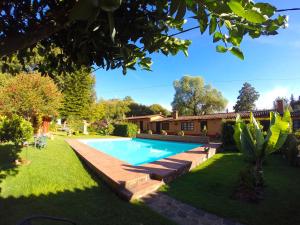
column 56, row 183
column 210, row 186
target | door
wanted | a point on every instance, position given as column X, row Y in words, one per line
column 158, row 127
column 141, row 126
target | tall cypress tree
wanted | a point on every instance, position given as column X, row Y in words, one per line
column 78, row 91
column 246, row 99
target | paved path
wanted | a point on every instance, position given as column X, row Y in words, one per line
column 182, row 213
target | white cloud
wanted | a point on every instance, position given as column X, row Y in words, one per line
column 230, row 106
column 266, row 98
column 166, row 106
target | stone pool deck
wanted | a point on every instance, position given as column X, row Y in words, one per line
column 132, row 182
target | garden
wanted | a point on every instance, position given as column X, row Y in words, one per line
column 50, row 52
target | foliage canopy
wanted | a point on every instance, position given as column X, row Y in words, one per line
column 123, row 33
column 30, row 96
column 193, row 97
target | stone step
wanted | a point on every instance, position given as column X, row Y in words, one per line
column 141, row 190
column 140, row 179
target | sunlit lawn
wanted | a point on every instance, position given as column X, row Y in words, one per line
column 56, row 183
column 210, row 186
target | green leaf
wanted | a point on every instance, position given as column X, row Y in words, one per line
column 212, row 25
column 203, row 20
column 266, row 8
column 181, row 10
column 236, row 7
column 254, row 16
column 112, row 29
column 237, row 132
column 228, row 24
column 250, row 15
column 259, row 137
column 174, row 6
column 221, row 49
column 217, row 36
column 237, row 52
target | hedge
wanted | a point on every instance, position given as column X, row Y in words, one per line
column 125, row 130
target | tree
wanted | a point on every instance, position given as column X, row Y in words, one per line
column 136, row 109
column 31, row 96
column 246, row 99
column 157, row 108
column 192, row 97
column 114, row 109
column 123, row 33
column 256, row 146
column 78, row 90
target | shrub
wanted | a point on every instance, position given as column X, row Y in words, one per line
column 180, row 133
column 101, row 127
column 53, row 126
column 125, row 130
column 75, row 125
column 149, row 131
column 163, row 132
column 15, row 129
column 227, row 134
column 290, row 149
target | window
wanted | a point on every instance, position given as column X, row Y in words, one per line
column 296, row 125
column 165, row 126
column 187, row 126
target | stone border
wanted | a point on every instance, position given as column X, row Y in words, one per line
column 132, row 182
column 182, row 213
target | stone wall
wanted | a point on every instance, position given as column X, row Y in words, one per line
column 190, row 139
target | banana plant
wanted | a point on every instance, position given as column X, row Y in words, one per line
column 255, row 145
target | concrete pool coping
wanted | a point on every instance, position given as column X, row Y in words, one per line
column 132, row 182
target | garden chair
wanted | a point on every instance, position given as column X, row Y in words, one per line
column 40, row 141
column 29, row 220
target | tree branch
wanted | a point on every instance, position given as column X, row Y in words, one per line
column 39, row 32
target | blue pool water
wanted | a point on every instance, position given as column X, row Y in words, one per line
column 138, row 151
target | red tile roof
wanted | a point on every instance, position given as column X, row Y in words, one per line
column 142, row 117
column 229, row 115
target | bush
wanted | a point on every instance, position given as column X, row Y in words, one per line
column 53, row 126
column 180, row 133
column 290, row 149
column 163, row 132
column 15, row 129
column 125, row 130
column 227, row 134
column 101, row 127
column 75, row 125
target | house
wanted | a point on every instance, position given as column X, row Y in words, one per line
column 194, row 125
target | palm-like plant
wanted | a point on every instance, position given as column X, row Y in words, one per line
column 255, row 145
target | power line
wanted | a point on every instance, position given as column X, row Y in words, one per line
column 197, row 27
column 216, row 81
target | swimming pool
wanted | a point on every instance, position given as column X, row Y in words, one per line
column 136, row 151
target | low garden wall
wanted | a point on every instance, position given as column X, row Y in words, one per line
column 191, row 139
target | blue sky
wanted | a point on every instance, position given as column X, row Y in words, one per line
column 271, row 65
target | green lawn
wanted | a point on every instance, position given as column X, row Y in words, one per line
column 57, row 183
column 210, row 185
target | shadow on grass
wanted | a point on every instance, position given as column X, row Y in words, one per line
column 95, row 205
column 210, row 186
column 8, row 156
